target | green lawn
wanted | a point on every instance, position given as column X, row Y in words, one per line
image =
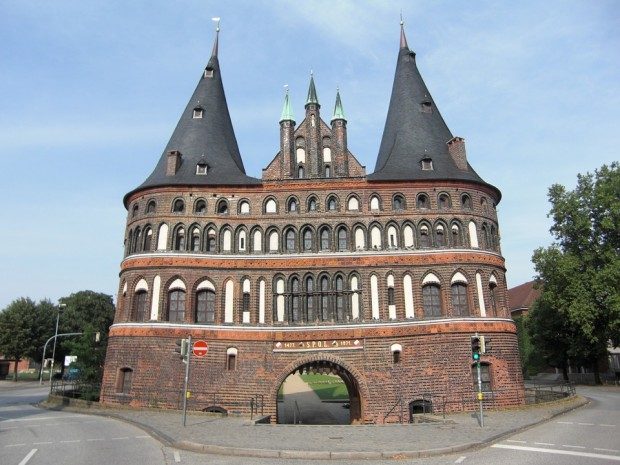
column 327, row 387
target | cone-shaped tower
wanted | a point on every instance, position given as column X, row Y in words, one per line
column 203, row 136
column 415, row 137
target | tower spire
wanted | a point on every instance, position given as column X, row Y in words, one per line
column 312, row 97
column 287, row 112
column 403, row 39
column 338, row 110
column 217, row 36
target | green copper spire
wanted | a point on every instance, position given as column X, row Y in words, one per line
column 338, row 110
column 287, row 112
column 312, row 97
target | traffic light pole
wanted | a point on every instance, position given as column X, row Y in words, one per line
column 480, row 393
column 189, row 357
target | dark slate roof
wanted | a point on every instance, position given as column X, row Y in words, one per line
column 412, row 134
column 210, row 138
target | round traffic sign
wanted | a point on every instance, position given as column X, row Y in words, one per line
column 200, row 348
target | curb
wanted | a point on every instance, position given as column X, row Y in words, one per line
column 324, row 455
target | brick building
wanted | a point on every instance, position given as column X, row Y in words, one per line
column 317, row 267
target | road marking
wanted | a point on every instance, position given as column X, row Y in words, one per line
column 95, row 439
column 43, row 418
column 39, row 443
column 575, row 447
column 16, row 445
column 565, row 422
column 610, row 426
column 460, row 459
column 514, row 440
column 28, row 457
column 586, row 424
column 544, row 444
column 177, row 456
column 71, row 441
column 119, row 439
column 143, row 437
column 559, row 452
column 607, row 450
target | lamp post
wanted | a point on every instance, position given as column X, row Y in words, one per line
column 60, row 308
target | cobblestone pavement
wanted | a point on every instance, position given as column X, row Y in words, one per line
column 239, row 436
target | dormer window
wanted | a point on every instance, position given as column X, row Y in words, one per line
column 208, row 72
column 202, row 168
column 426, row 106
column 198, row 112
column 427, row 164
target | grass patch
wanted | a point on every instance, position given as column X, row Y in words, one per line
column 327, row 387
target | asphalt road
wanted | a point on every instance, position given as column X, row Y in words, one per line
column 33, row 436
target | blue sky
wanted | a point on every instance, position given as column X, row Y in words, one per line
column 90, row 92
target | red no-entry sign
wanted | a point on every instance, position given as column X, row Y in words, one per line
column 200, row 348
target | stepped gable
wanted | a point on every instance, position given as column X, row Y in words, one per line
column 204, row 135
column 415, row 131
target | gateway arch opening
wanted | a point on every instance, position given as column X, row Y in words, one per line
column 319, row 393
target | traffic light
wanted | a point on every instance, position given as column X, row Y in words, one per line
column 477, row 347
column 182, row 349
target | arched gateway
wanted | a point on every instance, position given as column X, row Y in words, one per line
column 322, row 363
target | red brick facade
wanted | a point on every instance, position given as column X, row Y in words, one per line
column 314, row 256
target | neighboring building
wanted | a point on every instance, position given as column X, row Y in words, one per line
column 380, row 278
column 521, row 298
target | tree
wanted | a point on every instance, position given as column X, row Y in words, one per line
column 90, row 313
column 578, row 312
column 24, row 328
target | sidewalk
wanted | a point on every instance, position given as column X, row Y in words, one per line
column 241, row 437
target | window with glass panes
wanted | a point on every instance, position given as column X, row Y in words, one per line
column 431, row 300
column 460, row 305
column 176, row 305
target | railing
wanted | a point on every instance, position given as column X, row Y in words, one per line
column 76, row 389
column 399, row 402
column 256, row 402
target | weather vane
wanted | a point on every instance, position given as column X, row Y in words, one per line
column 217, row 20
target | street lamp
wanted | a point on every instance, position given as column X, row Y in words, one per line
column 60, row 308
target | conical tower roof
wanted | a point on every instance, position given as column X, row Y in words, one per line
column 415, row 130
column 287, row 111
column 312, row 96
column 338, row 109
column 204, row 133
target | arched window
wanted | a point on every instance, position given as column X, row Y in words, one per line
column 151, row 206
column 222, row 207
column 245, row 301
column 294, row 314
column 257, row 241
column 328, row 171
column 231, row 358
column 140, row 304
column 290, row 240
column 205, row 306
column 324, row 310
column 178, row 206
column 392, row 237
column 342, row 240
column 148, row 239
column 310, row 310
column 408, row 236
column 134, row 211
column 440, row 237
column 332, row 204
column 493, row 297
column 211, row 241
column 226, row 240
column 425, row 238
column 195, row 240
column 466, row 202
column 398, row 202
column 422, row 201
column 307, row 237
column 431, row 300
column 325, row 242
column 176, row 305
column 375, row 238
column 340, row 300
column 244, row 207
column 375, row 204
column 443, row 202
column 312, row 204
column 201, row 206
column 179, row 239
column 460, row 305
column 353, row 204
column 300, row 172
column 457, row 241
column 241, row 241
column 360, row 238
column 273, row 241
column 292, row 205
column 271, row 206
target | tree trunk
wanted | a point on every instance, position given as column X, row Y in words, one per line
column 15, row 369
column 564, row 372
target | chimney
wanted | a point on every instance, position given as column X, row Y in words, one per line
column 456, row 147
column 173, row 162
